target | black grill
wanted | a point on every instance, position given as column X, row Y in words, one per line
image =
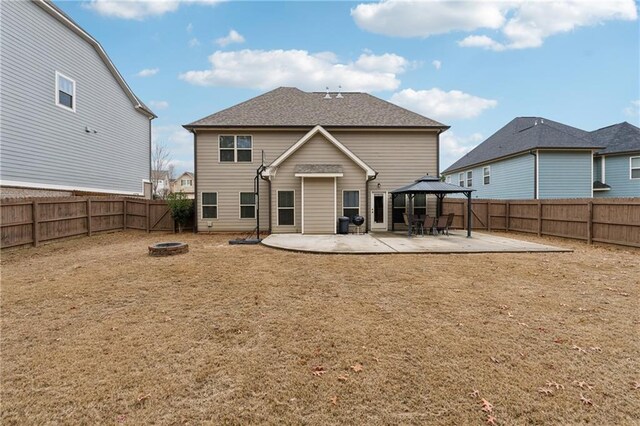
column 358, row 220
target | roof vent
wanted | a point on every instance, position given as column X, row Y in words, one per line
column 535, row 123
column 542, row 121
column 327, row 96
column 339, row 95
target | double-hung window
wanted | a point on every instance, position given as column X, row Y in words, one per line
column 469, row 179
column 486, row 175
column 350, row 204
column 65, row 92
column 634, row 165
column 209, row 205
column 247, row 205
column 399, row 207
column 235, row 149
column 186, row 182
column 461, row 179
column 420, row 204
column 286, row 204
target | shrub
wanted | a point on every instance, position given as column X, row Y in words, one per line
column 181, row 208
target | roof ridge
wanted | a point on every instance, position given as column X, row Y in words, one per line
column 567, row 133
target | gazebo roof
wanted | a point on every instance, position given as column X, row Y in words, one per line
column 431, row 185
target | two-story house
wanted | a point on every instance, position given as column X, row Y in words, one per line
column 324, row 155
column 185, row 184
column 70, row 124
column 537, row 158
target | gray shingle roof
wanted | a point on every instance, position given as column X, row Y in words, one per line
column 318, row 168
column 291, row 107
column 523, row 134
column 618, row 138
column 430, row 185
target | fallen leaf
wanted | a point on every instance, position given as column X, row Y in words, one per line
column 555, row 385
column 475, row 393
column 559, row 340
column 343, row 377
column 487, row 406
column 596, row 349
column 546, row 391
column 582, row 385
column 334, row 400
column 376, row 359
column 584, row 400
column 491, row 420
column 143, row 398
column 503, row 307
column 318, row 370
column 636, row 385
column 579, row 349
column 496, row 360
column 357, row 368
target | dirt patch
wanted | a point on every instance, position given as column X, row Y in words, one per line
column 96, row 331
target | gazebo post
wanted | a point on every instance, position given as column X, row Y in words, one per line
column 469, row 214
column 393, row 203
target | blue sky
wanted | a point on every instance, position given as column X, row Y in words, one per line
column 472, row 65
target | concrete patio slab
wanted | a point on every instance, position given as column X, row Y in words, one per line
column 388, row 242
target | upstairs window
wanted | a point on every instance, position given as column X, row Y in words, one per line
column 235, row 149
column 635, row 167
column 469, row 179
column 486, row 175
column 186, row 182
column 461, row 179
column 65, row 92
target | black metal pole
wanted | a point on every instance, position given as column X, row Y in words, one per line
column 469, row 214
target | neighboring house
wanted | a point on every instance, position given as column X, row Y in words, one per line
column 161, row 183
column 537, row 158
column 325, row 155
column 70, row 124
column 184, row 183
column 616, row 168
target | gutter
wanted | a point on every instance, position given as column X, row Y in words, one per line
column 366, row 191
column 268, row 180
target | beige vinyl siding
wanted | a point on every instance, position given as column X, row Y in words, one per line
column 399, row 156
column 319, row 200
column 317, row 150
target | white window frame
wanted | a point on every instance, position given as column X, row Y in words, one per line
column 631, row 168
column 235, row 149
column 73, row 95
column 247, row 205
column 278, row 206
column 202, row 205
column 486, row 175
column 469, row 179
column 351, row 208
column 186, row 182
column 461, row 179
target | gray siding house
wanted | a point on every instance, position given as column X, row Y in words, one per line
column 537, row 158
column 70, row 123
column 324, row 154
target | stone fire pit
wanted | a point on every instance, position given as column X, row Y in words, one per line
column 168, row 249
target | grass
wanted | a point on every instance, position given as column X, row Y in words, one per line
column 95, row 331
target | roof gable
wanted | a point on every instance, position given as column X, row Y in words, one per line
column 310, row 134
column 523, row 134
column 291, row 107
column 64, row 19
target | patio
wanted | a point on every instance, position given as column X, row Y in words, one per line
column 397, row 242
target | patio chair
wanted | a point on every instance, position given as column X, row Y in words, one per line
column 429, row 223
column 450, row 217
column 441, row 224
column 411, row 225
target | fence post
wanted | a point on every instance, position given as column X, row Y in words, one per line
column 539, row 218
column 148, row 217
column 36, row 229
column 590, row 223
column 506, row 217
column 89, row 217
column 489, row 215
column 124, row 214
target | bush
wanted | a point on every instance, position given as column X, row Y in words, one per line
column 181, row 208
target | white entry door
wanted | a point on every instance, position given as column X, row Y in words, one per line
column 378, row 211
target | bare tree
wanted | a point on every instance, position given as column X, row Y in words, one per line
column 161, row 170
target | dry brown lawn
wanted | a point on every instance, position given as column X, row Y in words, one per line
column 95, row 331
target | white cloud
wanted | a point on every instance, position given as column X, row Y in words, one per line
column 194, row 42
column 232, row 37
column 148, row 72
column 139, row 9
column 523, row 24
column 267, row 69
column 441, row 105
column 633, row 110
column 159, row 104
column 437, row 64
column 452, row 147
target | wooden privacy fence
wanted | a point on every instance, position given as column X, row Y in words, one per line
column 612, row 220
column 31, row 221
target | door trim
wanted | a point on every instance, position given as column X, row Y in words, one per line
column 384, row 225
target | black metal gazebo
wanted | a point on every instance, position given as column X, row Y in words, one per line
column 432, row 185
